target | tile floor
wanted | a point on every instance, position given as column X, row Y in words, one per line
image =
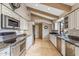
column 42, row 48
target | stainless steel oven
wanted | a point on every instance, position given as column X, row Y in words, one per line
column 8, row 37
column 8, row 22
column 19, row 48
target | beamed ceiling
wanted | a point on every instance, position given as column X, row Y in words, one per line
column 51, row 11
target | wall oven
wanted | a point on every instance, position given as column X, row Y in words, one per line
column 8, row 22
column 19, row 49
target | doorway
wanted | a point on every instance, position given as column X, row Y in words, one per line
column 37, row 31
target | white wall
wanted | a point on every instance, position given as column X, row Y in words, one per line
column 45, row 22
column 45, row 32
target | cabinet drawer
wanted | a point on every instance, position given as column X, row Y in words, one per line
column 5, row 52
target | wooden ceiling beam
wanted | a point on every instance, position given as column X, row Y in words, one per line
column 36, row 16
column 44, row 13
column 59, row 6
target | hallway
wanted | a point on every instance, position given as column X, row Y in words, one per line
column 42, row 48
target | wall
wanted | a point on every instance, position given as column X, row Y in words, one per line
column 45, row 22
column 45, row 32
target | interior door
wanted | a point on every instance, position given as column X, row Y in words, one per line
column 33, row 33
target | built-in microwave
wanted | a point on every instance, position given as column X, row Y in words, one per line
column 8, row 22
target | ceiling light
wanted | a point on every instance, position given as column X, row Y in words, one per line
column 48, row 8
column 36, row 4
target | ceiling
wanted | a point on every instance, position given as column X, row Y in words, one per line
column 50, row 11
column 71, row 4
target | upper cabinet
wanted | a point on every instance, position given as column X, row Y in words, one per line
column 23, row 24
column 22, row 10
column 0, row 16
column 7, row 11
column 77, row 18
column 73, row 20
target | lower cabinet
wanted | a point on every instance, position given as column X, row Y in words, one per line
column 63, row 47
column 76, row 51
column 5, row 51
column 70, row 49
column 53, row 39
column 59, row 44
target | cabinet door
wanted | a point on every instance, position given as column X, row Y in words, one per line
column 71, row 20
column 63, row 47
column 9, row 12
column 53, row 39
column 70, row 49
column 5, row 52
column 77, row 18
column 23, row 24
column 59, row 44
column 0, row 16
column 76, row 51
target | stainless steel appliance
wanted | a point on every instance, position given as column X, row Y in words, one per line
column 8, row 37
column 8, row 22
column 19, row 47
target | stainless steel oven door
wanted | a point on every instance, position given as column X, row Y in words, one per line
column 9, row 22
column 18, row 48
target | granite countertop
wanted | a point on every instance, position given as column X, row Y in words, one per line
column 19, row 37
column 74, row 42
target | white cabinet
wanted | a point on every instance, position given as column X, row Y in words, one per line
column 29, row 41
column 63, row 47
column 0, row 16
column 76, row 51
column 71, row 20
column 53, row 39
column 9, row 12
column 77, row 18
column 23, row 24
column 5, row 51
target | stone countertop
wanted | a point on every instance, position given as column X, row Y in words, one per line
column 19, row 36
column 74, row 42
column 4, row 45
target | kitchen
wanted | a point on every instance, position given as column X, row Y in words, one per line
column 17, row 34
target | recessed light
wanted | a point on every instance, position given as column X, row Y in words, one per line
column 48, row 8
column 36, row 4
